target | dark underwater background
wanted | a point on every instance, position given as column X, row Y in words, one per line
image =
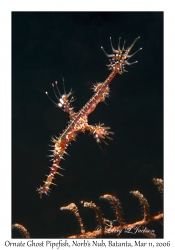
column 47, row 46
